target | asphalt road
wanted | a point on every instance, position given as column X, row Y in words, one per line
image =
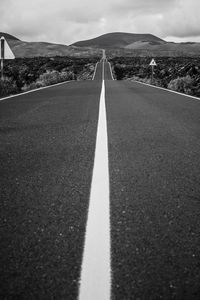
column 47, row 152
column 154, row 148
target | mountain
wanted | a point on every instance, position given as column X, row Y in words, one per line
column 116, row 44
column 118, row 40
column 132, row 44
column 35, row 49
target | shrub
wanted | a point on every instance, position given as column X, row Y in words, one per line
column 32, row 86
column 182, row 84
column 178, row 73
column 31, row 73
column 48, row 78
column 144, row 80
column 52, row 77
column 8, row 87
column 119, row 70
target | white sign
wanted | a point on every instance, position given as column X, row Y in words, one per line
column 6, row 52
column 153, row 63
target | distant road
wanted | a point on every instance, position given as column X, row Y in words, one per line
column 48, row 140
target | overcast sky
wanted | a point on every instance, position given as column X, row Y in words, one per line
column 67, row 21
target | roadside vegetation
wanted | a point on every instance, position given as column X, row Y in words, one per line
column 23, row 74
column 178, row 74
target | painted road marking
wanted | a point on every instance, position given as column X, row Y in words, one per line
column 167, row 90
column 35, row 90
column 95, row 71
column 96, row 271
column 111, row 71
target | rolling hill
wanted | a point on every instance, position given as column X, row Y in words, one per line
column 116, row 44
column 118, row 40
column 131, row 44
column 35, row 49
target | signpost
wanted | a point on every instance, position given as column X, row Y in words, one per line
column 5, row 52
column 152, row 64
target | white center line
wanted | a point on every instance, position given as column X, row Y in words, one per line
column 96, row 272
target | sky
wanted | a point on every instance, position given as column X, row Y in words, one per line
column 68, row 21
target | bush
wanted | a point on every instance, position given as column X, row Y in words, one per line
column 31, row 73
column 178, row 73
column 32, row 86
column 182, row 84
column 8, row 87
column 53, row 77
column 144, row 80
column 49, row 78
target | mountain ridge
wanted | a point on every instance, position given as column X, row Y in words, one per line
column 133, row 44
column 44, row 49
column 115, row 44
column 118, row 40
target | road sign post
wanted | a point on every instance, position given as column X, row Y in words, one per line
column 152, row 64
column 2, row 69
column 5, row 53
column 2, row 55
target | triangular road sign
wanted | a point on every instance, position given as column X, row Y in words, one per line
column 6, row 52
column 153, row 63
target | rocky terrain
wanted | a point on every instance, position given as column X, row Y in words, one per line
column 24, row 74
column 181, row 74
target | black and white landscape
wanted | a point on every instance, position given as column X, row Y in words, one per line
column 99, row 150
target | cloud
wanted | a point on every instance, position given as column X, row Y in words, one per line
column 183, row 20
column 66, row 21
column 144, row 6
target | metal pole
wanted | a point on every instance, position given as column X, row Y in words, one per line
column 152, row 70
column 2, row 55
column 2, row 77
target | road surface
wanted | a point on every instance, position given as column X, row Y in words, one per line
column 48, row 142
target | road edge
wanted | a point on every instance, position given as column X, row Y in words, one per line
column 95, row 70
column 111, row 71
column 164, row 89
column 35, row 90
